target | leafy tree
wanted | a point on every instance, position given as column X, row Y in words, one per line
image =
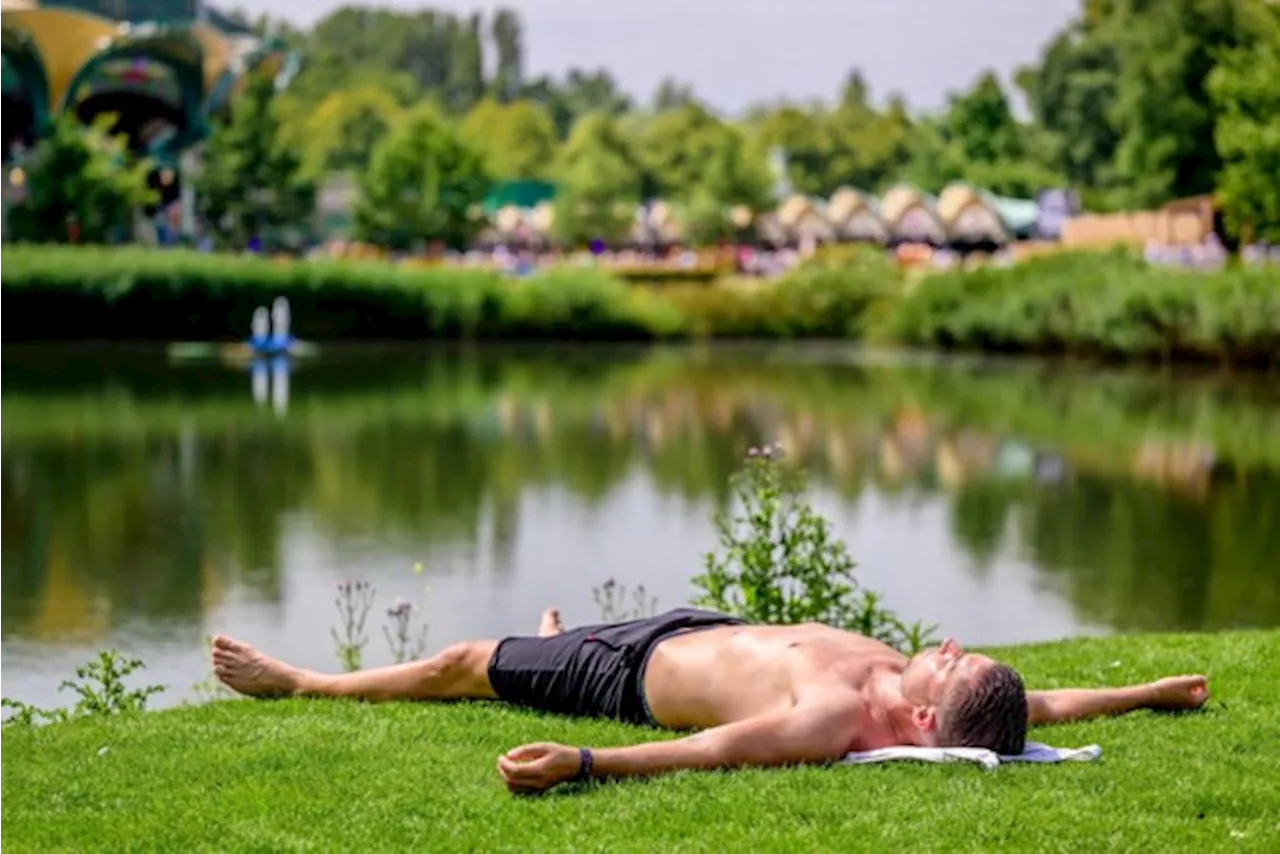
column 855, row 94
column 599, row 183
column 803, row 135
column 1162, row 109
column 341, row 133
column 518, row 139
column 429, row 52
column 424, row 184
column 935, row 161
column 676, row 146
column 508, row 44
column 868, row 149
column 673, row 94
column 580, row 93
column 1245, row 91
column 465, row 85
column 886, row 145
column 250, row 182
column 982, row 125
column 736, row 175
column 1018, row 178
column 1071, row 96
column 81, row 186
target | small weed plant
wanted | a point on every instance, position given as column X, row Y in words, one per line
column 353, row 602
column 101, row 689
column 779, row 561
column 406, row 644
column 616, row 606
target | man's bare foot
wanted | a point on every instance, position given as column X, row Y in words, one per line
column 1179, row 693
column 551, row 624
column 250, row 672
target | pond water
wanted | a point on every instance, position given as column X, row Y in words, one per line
column 149, row 504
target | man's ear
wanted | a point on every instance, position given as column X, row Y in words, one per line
column 925, row 719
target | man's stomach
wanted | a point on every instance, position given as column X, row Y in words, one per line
column 716, row 676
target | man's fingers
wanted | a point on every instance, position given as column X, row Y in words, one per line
column 526, row 773
column 525, row 752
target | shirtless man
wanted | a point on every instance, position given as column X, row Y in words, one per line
column 760, row 695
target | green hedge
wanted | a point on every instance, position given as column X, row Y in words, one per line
column 70, row 293
column 837, row 294
column 65, row 293
column 1111, row 306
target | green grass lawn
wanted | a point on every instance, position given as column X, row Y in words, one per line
column 254, row 776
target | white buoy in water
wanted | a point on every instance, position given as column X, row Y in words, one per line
column 280, row 323
column 260, row 329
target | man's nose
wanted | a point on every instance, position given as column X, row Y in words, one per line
column 950, row 647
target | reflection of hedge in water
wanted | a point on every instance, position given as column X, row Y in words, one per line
column 427, row 457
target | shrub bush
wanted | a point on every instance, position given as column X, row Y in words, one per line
column 780, row 563
column 1107, row 305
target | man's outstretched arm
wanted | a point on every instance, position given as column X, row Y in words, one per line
column 1174, row 693
column 797, row 735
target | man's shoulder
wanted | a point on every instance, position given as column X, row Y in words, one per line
column 831, row 697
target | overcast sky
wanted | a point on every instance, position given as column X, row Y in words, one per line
column 739, row 51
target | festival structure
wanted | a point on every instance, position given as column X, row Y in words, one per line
column 162, row 67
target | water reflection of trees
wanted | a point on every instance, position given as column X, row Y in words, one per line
column 139, row 492
column 1135, row 556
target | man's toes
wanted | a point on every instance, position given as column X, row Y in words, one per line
column 229, row 644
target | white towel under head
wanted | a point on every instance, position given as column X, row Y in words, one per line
column 1034, row 752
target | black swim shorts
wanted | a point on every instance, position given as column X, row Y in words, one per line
column 591, row 671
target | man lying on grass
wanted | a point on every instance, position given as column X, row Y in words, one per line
column 761, row 695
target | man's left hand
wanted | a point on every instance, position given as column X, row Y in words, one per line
column 537, row 767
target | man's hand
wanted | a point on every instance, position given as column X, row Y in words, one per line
column 537, row 767
column 1176, row 693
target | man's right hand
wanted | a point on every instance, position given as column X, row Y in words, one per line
column 534, row 768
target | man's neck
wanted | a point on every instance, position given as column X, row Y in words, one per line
column 890, row 709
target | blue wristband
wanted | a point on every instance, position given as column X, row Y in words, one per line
column 584, row 772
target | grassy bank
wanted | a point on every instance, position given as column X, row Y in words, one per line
column 1112, row 306
column 240, row 776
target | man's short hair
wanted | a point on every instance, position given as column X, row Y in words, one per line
column 990, row 712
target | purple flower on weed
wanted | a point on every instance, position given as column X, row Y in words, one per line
column 765, row 452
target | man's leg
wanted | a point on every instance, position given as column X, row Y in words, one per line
column 458, row 672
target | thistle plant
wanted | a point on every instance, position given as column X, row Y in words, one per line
column 353, row 602
column 780, row 562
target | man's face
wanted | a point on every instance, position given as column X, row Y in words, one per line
column 933, row 673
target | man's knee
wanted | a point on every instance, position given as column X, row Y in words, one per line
column 460, row 670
